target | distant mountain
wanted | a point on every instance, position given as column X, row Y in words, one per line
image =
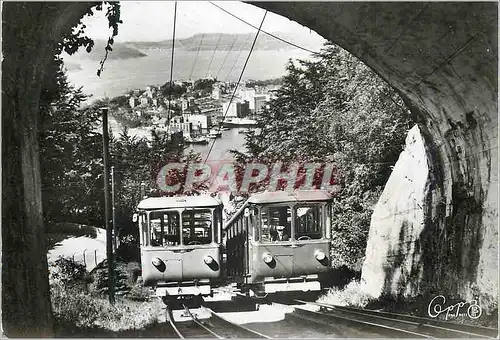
column 120, row 51
column 224, row 42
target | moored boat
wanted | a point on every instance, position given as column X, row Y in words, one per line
column 235, row 121
column 196, row 140
column 214, row 133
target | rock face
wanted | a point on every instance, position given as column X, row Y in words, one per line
column 393, row 252
column 408, row 253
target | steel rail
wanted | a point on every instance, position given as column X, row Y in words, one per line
column 251, row 331
column 414, row 320
column 367, row 323
column 170, row 318
column 201, row 324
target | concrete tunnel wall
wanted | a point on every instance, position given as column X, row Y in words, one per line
column 442, row 58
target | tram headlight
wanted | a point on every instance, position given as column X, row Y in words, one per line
column 159, row 264
column 208, row 260
column 320, row 255
column 267, row 257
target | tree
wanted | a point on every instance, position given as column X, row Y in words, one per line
column 173, row 90
column 334, row 107
column 204, row 86
column 71, row 156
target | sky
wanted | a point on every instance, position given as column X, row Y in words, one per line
column 153, row 20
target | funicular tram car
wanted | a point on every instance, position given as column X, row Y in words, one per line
column 279, row 242
column 180, row 240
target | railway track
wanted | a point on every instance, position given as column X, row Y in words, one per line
column 216, row 326
column 390, row 324
column 336, row 320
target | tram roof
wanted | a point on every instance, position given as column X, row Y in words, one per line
column 284, row 196
column 153, row 203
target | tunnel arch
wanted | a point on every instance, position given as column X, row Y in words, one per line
column 441, row 57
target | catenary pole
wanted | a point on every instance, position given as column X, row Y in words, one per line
column 113, row 193
column 109, row 231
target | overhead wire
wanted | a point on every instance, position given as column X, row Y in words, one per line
column 237, row 58
column 196, row 58
column 172, row 61
column 213, row 54
column 269, row 34
column 238, row 83
column 225, row 58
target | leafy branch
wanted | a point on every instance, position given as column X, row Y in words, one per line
column 76, row 38
column 113, row 15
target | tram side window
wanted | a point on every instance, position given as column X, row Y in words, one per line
column 276, row 224
column 253, row 227
column 197, row 227
column 164, row 228
column 217, row 224
column 144, row 229
column 308, row 222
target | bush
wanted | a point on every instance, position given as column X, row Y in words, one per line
column 140, row 293
column 351, row 295
column 126, row 274
column 100, row 283
column 75, row 310
column 85, row 312
column 66, row 274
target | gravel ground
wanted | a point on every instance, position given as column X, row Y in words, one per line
column 276, row 321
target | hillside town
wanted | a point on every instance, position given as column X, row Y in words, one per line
column 199, row 110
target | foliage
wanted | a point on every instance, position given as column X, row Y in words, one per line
column 130, row 119
column 70, row 151
column 76, row 307
column 173, row 90
column 65, row 272
column 71, row 158
column 120, row 101
column 100, row 281
column 335, row 109
column 75, row 38
column 138, row 162
column 84, row 312
column 69, row 144
column 350, row 295
column 126, row 281
column 204, row 86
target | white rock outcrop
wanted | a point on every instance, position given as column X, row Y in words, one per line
column 396, row 223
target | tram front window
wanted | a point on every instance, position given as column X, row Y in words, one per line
column 164, row 228
column 276, row 223
column 196, row 227
column 308, row 222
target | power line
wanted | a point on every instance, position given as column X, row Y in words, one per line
column 196, row 58
column 172, row 61
column 225, row 58
column 213, row 54
column 238, row 83
column 270, row 34
column 237, row 58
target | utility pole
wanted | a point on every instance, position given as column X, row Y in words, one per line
column 143, row 190
column 109, row 235
column 113, row 206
